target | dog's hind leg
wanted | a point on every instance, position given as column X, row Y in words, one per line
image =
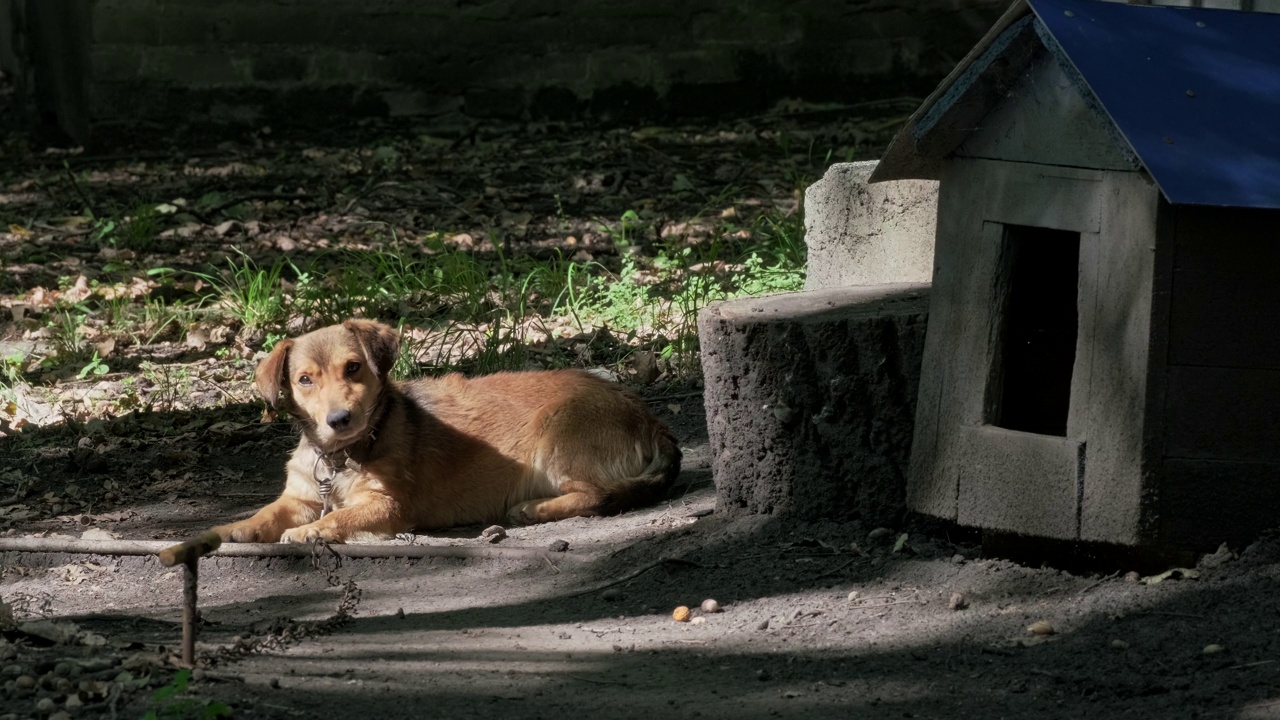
column 574, row 503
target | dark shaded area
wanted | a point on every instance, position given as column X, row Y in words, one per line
column 1038, row 333
column 130, row 68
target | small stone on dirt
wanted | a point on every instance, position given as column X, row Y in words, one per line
column 854, row 595
column 680, row 614
column 400, row 613
column 1119, row 645
column 494, row 533
column 879, row 534
column 957, row 602
column 1213, row 649
column 710, row 606
column 764, row 624
column 611, row 595
column 25, row 682
column 1040, row 627
column 958, row 559
column 1132, row 576
column 558, row 546
column 275, row 683
column 44, row 705
column 698, row 620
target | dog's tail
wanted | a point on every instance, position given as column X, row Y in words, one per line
column 651, row 484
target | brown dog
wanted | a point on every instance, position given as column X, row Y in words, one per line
column 379, row 457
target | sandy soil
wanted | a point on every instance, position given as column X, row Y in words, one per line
column 817, row 619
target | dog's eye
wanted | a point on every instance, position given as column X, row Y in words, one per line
column 353, row 367
column 304, row 379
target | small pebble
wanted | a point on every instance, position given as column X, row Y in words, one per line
column 680, row 614
column 1213, row 649
column 1119, row 645
column 710, row 606
column 400, row 613
column 1132, row 576
column 879, row 534
column 611, row 595
column 63, row 669
column 74, row 701
column 698, row 620
column 957, row 602
column 494, row 533
column 275, row 683
column 13, row 670
column 764, row 624
column 558, row 546
column 44, row 705
column 25, row 682
column 854, row 595
column 958, row 559
column 1040, row 627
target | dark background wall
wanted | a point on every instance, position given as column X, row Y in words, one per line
column 275, row 61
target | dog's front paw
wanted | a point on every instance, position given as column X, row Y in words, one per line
column 522, row 514
column 309, row 534
column 241, row 532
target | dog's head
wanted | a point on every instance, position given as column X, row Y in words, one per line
column 331, row 378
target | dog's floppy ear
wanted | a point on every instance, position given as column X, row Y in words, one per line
column 271, row 372
column 381, row 343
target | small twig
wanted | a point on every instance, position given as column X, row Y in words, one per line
column 75, row 185
column 637, row 573
column 1167, row 614
column 553, row 565
column 837, row 570
column 601, row 682
column 1252, row 664
column 217, row 387
column 1100, row 582
column 677, row 396
column 877, row 606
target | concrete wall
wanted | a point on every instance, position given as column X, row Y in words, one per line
column 276, row 60
column 860, row 234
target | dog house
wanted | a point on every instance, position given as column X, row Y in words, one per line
column 1102, row 360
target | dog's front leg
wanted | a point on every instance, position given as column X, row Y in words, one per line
column 372, row 514
column 269, row 523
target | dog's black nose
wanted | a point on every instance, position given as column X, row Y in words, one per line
column 339, row 419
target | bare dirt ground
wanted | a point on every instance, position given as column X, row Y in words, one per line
column 816, row 619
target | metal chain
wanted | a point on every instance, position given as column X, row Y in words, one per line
column 287, row 631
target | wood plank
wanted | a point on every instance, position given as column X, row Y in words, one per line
column 1225, row 291
column 1223, row 414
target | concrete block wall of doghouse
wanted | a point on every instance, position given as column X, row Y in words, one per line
column 810, row 396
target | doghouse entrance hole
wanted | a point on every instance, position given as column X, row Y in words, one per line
column 1039, row 329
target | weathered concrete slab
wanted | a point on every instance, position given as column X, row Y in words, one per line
column 860, row 234
column 810, row 400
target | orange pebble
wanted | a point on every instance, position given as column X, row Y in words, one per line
column 681, row 614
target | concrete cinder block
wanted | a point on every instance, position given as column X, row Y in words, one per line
column 860, row 234
column 810, row 399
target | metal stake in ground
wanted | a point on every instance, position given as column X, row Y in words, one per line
column 189, row 554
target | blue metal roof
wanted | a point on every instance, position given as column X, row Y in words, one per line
column 1195, row 92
